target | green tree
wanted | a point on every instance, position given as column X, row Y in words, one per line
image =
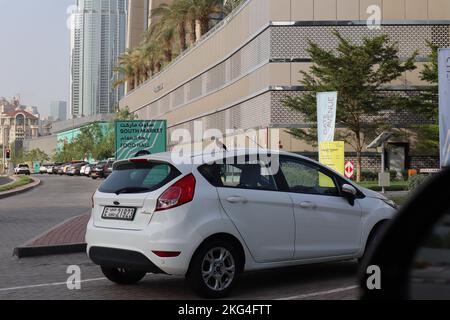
column 428, row 134
column 175, row 15
column 36, row 155
column 357, row 73
column 202, row 10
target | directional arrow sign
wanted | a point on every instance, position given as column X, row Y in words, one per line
column 349, row 169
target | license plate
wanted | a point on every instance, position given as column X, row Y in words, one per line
column 118, row 213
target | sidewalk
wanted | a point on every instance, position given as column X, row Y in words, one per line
column 67, row 237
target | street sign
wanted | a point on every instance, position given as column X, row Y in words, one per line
column 349, row 169
column 140, row 137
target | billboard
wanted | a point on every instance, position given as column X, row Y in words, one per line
column 140, row 137
column 444, row 106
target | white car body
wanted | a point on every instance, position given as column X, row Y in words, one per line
column 22, row 169
column 43, row 169
column 274, row 229
column 82, row 170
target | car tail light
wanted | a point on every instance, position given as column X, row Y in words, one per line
column 166, row 254
column 180, row 193
column 138, row 160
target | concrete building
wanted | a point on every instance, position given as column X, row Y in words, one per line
column 139, row 13
column 98, row 38
column 61, row 130
column 58, row 110
column 17, row 124
column 240, row 73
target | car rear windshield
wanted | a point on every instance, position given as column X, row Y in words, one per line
column 23, row 166
column 139, row 177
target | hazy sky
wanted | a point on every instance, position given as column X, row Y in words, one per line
column 34, row 51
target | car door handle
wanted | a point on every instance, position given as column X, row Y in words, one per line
column 307, row 205
column 237, row 200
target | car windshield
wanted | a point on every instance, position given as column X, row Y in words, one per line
column 23, row 166
column 139, row 177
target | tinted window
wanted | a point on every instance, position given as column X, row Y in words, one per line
column 139, row 177
column 302, row 177
column 242, row 176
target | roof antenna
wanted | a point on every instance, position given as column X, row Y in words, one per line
column 219, row 143
column 250, row 138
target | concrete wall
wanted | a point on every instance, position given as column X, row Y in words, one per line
column 47, row 144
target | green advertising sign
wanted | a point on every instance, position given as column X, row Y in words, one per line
column 140, row 137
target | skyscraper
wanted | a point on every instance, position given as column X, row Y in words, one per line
column 98, row 38
column 58, row 110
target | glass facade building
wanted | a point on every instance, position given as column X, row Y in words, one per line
column 58, row 110
column 98, row 38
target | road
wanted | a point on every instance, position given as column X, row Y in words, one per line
column 4, row 180
column 27, row 215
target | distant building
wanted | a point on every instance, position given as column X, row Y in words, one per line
column 58, row 110
column 98, row 38
column 16, row 123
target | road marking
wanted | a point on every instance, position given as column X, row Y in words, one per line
column 50, row 285
column 321, row 293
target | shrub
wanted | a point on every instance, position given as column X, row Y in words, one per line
column 393, row 175
column 415, row 181
column 369, row 176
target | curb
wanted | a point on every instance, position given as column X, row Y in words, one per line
column 20, row 190
column 28, row 252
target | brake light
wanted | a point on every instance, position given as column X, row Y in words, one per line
column 167, row 254
column 180, row 193
column 138, row 160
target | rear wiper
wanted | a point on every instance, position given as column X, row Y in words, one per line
column 132, row 189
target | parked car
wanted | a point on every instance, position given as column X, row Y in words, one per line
column 88, row 170
column 98, row 170
column 83, row 169
column 68, row 166
column 44, row 168
column 210, row 222
column 108, row 169
column 75, row 169
column 55, row 167
column 22, row 169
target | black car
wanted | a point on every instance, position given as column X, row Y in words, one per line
column 98, row 170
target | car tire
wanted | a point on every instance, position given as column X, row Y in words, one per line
column 228, row 268
column 373, row 240
column 123, row 276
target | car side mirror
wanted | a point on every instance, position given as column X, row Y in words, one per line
column 349, row 192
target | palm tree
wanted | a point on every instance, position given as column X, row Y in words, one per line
column 203, row 9
column 176, row 15
column 165, row 34
column 152, row 56
column 126, row 70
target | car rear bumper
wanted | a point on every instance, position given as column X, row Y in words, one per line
column 143, row 243
column 111, row 257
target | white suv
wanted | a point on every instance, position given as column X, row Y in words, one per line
column 212, row 221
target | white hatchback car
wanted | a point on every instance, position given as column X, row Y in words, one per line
column 210, row 222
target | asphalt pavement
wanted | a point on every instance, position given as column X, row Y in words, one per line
column 4, row 180
column 28, row 215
